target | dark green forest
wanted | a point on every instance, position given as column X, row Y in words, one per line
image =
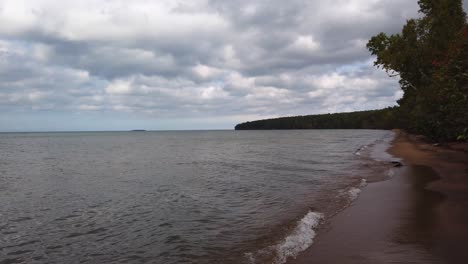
column 430, row 58
column 373, row 119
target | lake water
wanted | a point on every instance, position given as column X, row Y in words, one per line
column 175, row 197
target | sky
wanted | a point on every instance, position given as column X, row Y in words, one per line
column 189, row 64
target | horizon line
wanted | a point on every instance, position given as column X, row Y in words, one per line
column 131, row 130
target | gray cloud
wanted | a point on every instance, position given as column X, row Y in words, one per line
column 205, row 58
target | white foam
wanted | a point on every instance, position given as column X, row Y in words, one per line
column 300, row 239
column 363, row 183
column 353, row 193
column 390, row 173
column 250, row 258
column 358, row 151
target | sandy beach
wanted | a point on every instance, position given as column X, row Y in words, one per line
column 419, row 215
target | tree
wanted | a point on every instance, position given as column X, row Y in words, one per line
column 423, row 55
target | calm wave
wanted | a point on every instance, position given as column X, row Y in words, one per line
column 173, row 197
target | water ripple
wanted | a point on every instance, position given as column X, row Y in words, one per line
column 168, row 197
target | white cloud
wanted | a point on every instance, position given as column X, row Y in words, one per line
column 35, row 96
column 210, row 93
column 41, row 52
column 89, row 107
column 306, row 43
column 120, row 87
column 206, row 72
column 97, row 20
column 317, row 93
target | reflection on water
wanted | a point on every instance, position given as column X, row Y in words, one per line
column 421, row 219
column 434, row 221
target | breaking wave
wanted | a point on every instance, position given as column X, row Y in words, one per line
column 352, row 193
column 301, row 238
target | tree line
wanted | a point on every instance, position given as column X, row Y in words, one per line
column 372, row 119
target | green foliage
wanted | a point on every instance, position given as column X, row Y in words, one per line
column 429, row 56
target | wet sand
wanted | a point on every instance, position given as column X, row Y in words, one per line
column 420, row 215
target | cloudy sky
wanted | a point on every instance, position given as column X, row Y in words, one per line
column 188, row 64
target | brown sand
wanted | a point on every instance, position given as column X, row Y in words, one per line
column 420, row 215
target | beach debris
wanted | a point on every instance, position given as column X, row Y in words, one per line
column 396, row 163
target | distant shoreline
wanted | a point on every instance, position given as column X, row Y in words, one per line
column 420, row 215
column 370, row 119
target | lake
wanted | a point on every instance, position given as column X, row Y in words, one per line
column 176, row 196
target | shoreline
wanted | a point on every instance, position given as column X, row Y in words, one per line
column 419, row 215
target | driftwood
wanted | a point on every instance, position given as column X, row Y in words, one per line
column 397, row 164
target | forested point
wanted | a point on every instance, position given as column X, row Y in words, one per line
column 372, row 119
column 430, row 58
